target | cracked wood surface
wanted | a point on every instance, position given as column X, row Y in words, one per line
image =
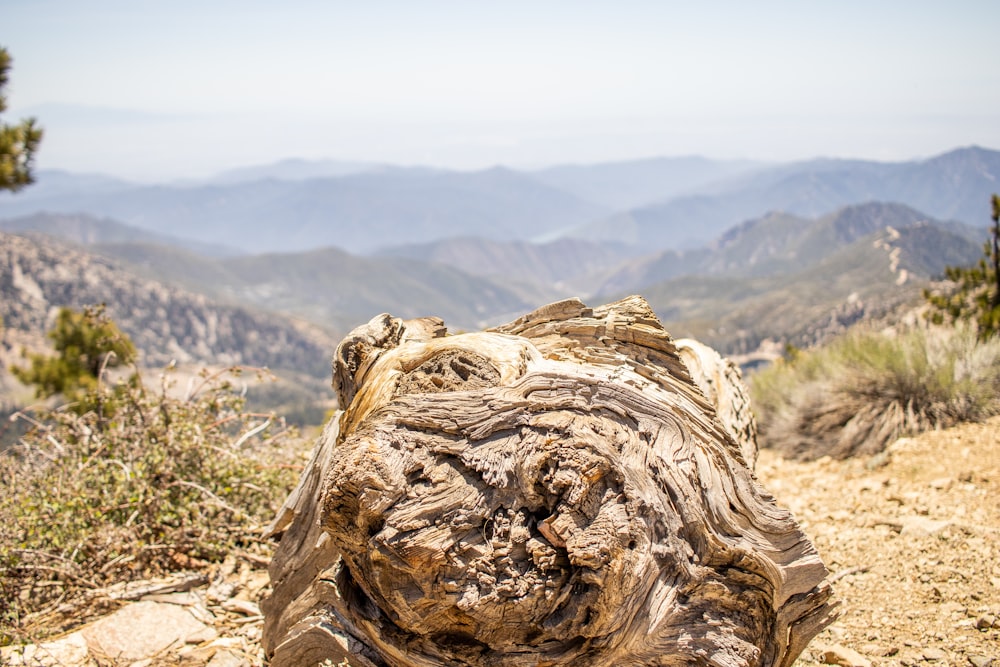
column 572, row 488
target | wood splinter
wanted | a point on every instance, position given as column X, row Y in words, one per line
column 572, row 488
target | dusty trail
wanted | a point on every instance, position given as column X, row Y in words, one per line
column 914, row 537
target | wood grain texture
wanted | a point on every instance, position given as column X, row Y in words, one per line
column 554, row 491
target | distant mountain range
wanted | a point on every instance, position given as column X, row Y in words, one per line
column 357, row 212
column 799, row 280
column 629, row 184
column 328, row 286
column 779, row 276
column 650, row 205
column 954, row 186
column 472, row 248
column 87, row 230
column 537, row 271
column 270, row 266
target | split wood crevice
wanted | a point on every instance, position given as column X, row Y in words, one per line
column 572, row 488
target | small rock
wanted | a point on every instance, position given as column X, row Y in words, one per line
column 207, row 634
column 220, row 591
column 66, row 651
column 876, row 649
column 244, row 607
column 919, row 526
column 933, row 654
column 843, row 656
column 980, row 661
column 942, row 483
column 986, row 621
column 226, row 658
column 953, row 607
column 141, row 630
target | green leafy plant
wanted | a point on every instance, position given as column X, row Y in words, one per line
column 976, row 296
column 18, row 143
column 864, row 390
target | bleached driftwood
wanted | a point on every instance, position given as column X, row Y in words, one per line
column 554, row 491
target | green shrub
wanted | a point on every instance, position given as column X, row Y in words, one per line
column 163, row 484
column 858, row 394
column 87, row 343
column 975, row 296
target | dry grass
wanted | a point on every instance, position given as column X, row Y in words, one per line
column 858, row 394
column 159, row 484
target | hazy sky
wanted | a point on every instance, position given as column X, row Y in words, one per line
column 180, row 88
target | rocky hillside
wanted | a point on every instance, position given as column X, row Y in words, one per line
column 38, row 275
column 778, row 278
column 801, row 281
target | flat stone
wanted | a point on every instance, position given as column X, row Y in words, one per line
column 843, row 656
column 934, row 654
column 980, row 661
column 141, row 631
column 921, row 526
column 68, row 651
column 226, row 658
column 245, row 607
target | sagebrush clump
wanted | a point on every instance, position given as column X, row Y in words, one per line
column 162, row 483
column 861, row 392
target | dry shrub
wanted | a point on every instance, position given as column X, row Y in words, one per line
column 860, row 393
column 157, row 484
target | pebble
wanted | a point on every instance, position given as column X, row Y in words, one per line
column 920, row 526
column 244, row 607
column 843, row 656
column 980, row 661
column 933, row 654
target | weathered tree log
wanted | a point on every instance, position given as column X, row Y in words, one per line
column 554, row 491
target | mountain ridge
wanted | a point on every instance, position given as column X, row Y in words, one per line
column 953, row 186
column 362, row 210
column 357, row 211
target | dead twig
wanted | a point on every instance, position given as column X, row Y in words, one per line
column 848, row 572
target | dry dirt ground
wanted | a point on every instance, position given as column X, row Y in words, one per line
column 912, row 538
